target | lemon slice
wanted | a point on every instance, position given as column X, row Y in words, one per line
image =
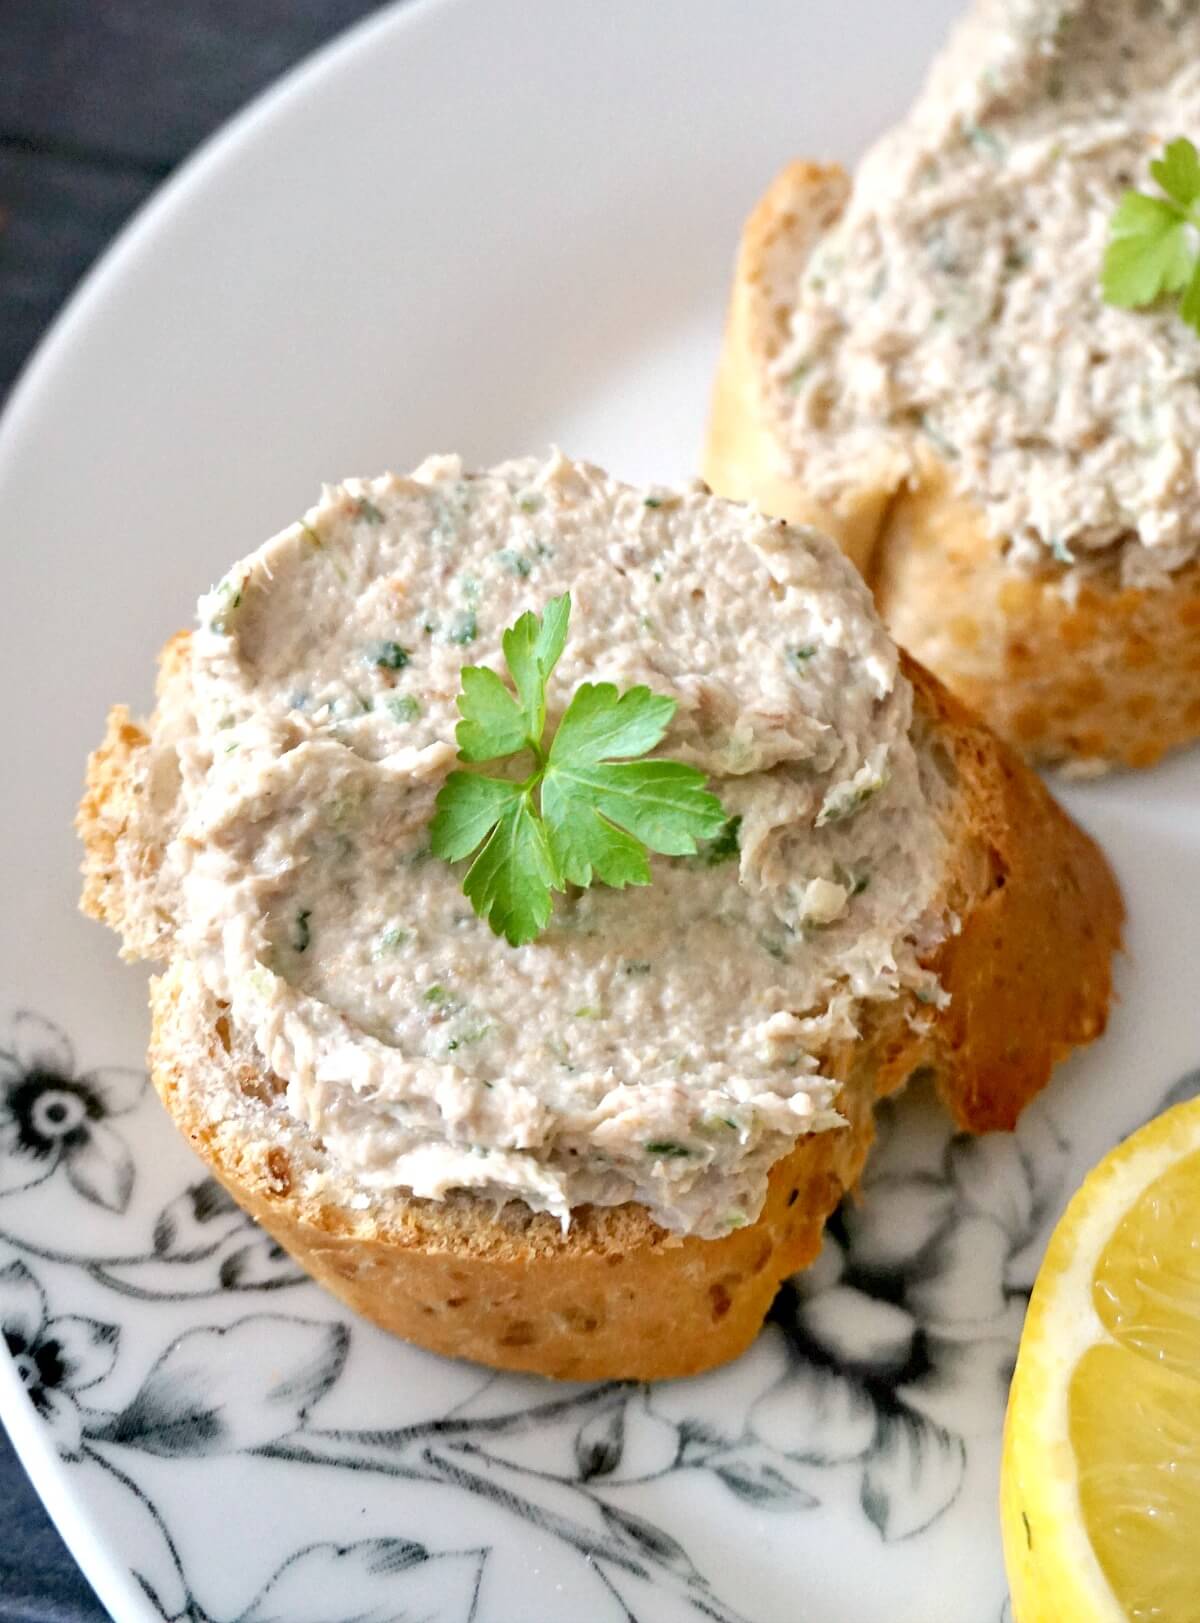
column 1100, row 1489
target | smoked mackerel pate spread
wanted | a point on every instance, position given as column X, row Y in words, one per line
column 657, row 1044
column 954, row 310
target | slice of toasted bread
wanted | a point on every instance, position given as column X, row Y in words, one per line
column 1109, row 674
column 617, row 1295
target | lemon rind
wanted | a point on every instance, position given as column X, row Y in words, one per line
column 1057, row 1578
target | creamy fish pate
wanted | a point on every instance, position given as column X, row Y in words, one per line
column 955, row 308
column 659, row 1044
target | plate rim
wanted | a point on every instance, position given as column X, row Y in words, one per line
column 114, row 1584
column 31, row 397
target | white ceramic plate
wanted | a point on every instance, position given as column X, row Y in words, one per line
column 483, row 225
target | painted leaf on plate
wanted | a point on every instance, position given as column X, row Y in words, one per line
column 215, row 1391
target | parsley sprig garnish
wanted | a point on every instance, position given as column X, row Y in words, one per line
column 586, row 812
column 1154, row 242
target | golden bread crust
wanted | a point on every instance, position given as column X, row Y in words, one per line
column 1111, row 676
column 615, row 1297
column 742, row 457
column 103, row 816
column 116, row 819
column 618, row 1296
column 1030, row 971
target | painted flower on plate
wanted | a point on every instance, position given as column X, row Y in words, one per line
column 52, row 1118
column 56, row 1358
column 904, row 1331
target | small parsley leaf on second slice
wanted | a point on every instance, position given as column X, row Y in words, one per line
column 1148, row 252
column 587, row 812
column 1154, row 242
column 1178, row 172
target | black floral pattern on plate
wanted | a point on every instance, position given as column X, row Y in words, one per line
column 889, row 1354
column 56, row 1358
column 56, row 1121
column 904, row 1331
column 51, row 1118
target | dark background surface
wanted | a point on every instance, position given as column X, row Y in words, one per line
column 99, row 101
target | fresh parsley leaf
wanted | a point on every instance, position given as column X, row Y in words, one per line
column 510, row 881
column 1148, row 253
column 662, row 804
column 599, row 722
column 532, row 648
column 1154, row 242
column 493, row 722
column 1178, row 172
column 1189, row 304
column 581, row 816
column 467, row 816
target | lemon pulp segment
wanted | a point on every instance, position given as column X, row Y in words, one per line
column 1134, row 1407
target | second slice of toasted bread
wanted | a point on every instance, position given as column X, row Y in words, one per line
column 1107, row 674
